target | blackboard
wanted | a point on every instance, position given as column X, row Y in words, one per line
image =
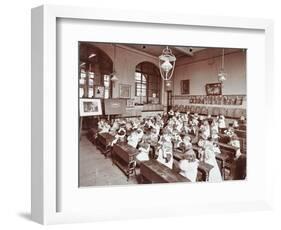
column 114, row 106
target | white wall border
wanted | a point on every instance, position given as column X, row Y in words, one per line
column 44, row 111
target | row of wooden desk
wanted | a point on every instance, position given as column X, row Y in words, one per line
column 224, row 139
column 154, row 172
column 232, row 168
column 103, row 143
column 203, row 167
column 124, row 156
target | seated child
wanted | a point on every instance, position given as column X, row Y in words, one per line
column 143, row 152
column 158, row 127
column 169, row 128
column 185, row 117
column 214, row 131
column 207, row 154
column 147, row 136
column 140, row 133
column 165, row 117
column 185, row 128
column 115, row 127
column 177, row 113
column 187, row 142
column 205, row 128
column 234, row 141
column 149, row 123
column 165, row 153
column 202, row 140
column 177, row 140
column 128, row 126
column 171, row 113
column 229, row 132
column 189, row 165
column 221, row 122
column 194, row 123
column 235, row 124
column 178, row 125
column 120, row 136
column 133, row 139
column 216, row 148
column 196, row 116
column 167, row 136
column 154, row 135
column 103, row 126
column 135, row 124
column 182, row 147
column 242, row 120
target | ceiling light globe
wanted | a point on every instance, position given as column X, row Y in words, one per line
column 166, row 66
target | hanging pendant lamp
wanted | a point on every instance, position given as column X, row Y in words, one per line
column 222, row 74
column 167, row 64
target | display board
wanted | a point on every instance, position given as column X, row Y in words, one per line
column 114, row 106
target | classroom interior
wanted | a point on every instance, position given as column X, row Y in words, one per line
column 161, row 114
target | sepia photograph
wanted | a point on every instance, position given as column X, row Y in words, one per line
column 166, row 114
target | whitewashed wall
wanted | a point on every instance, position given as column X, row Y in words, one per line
column 204, row 72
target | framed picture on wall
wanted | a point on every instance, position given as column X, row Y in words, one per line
column 130, row 103
column 185, row 86
column 99, row 91
column 213, row 89
column 90, row 107
column 124, row 91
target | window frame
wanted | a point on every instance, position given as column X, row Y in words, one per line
column 148, row 82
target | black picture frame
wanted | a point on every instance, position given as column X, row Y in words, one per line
column 213, row 89
column 185, row 86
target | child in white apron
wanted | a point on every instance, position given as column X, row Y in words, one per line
column 189, row 165
column 143, row 154
column 133, row 139
column 165, row 153
column 210, row 158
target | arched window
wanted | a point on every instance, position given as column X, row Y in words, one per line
column 147, row 83
column 95, row 72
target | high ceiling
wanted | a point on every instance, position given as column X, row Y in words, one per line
column 184, row 54
column 156, row 50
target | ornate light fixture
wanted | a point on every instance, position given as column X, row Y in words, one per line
column 167, row 64
column 222, row 74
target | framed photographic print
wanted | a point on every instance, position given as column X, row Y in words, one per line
column 90, row 107
column 124, row 91
column 99, row 91
column 213, row 89
column 60, row 194
column 185, row 86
